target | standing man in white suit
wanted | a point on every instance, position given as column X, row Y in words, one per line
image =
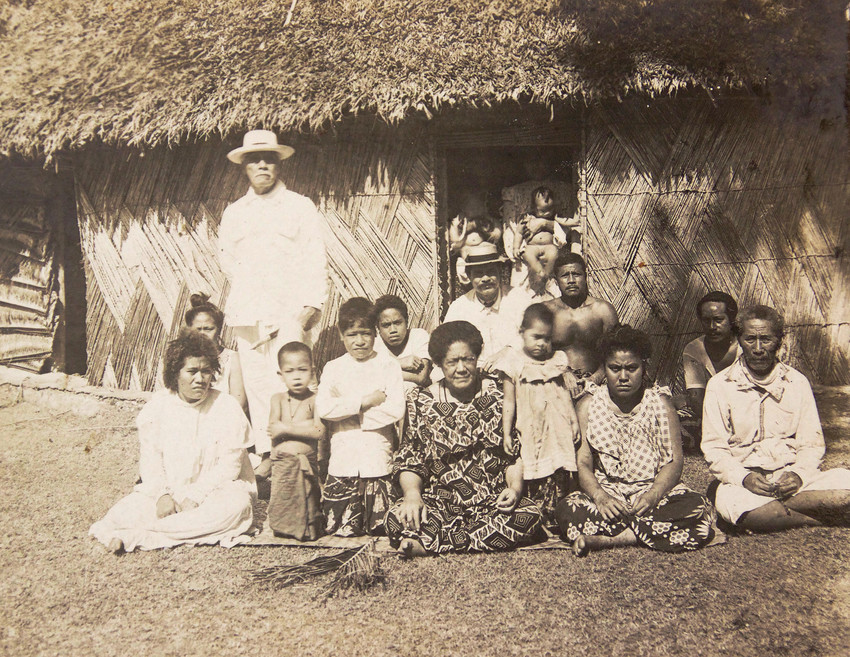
column 271, row 250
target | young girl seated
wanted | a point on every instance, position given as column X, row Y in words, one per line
column 539, row 412
column 361, row 395
column 409, row 346
column 297, row 436
column 539, row 234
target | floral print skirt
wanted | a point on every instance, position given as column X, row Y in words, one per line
column 682, row 520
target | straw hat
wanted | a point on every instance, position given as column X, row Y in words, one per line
column 259, row 141
column 483, row 254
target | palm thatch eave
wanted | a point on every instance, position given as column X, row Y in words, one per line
column 149, row 72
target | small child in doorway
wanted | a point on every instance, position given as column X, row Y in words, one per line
column 361, row 396
column 465, row 232
column 539, row 234
column 298, row 446
column 539, row 412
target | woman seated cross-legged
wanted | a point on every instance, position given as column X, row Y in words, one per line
column 462, row 490
column 630, row 462
column 197, row 483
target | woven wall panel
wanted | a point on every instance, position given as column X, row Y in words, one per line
column 684, row 197
column 149, row 223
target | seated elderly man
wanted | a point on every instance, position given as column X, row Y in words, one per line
column 762, row 438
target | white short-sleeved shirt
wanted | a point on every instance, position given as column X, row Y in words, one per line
column 417, row 345
column 697, row 364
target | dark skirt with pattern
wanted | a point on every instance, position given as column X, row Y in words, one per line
column 682, row 520
column 478, row 528
column 547, row 492
column 354, row 506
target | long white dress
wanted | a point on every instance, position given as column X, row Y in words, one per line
column 192, row 452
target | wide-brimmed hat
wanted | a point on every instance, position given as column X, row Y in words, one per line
column 485, row 253
column 259, row 141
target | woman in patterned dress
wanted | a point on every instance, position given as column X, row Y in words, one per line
column 630, row 462
column 462, row 490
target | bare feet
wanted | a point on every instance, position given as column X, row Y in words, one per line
column 409, row 548
column 116, row 546
column 580, row 548
column 264, row 469
column 583, row 545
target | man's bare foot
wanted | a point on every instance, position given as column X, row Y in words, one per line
column 409, row 548
column 116, row 546
column 264, row 469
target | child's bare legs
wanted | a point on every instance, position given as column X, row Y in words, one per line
column 536, row 267
column 540, row 259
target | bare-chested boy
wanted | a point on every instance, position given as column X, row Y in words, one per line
column 580, row 319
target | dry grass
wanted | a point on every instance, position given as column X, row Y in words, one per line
column 145, row 72
column 62, row 594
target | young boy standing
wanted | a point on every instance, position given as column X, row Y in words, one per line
column 297, row 436
column 361, row 396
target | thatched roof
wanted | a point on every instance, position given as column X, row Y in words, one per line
column 143, row 72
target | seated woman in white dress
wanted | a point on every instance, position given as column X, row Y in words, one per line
column 197, row 484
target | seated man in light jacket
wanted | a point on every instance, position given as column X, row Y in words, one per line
column 762, row 438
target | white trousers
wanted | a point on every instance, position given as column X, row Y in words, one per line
column 734, row 501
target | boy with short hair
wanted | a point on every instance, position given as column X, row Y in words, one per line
column 298, row 438
column 409, row 346
column 361, row 396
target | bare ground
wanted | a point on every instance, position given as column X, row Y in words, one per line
column 63, row 594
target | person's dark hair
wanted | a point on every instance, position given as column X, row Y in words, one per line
column 623, row 337
column 388, row 302
column 445, row 335
column 566, row 257
column 543, row 193
column 200, row 303
column 294, row 347
column 719, row 297
column 356, row 309
column 188, row 344
column 537, row 312
column 764, row 313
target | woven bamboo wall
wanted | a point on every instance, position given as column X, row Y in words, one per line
column 29, row 313
column 682, row 197
column 148, row 224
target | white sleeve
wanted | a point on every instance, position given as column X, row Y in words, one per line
column 151, row 467
column 331, row 404
column 716, row 432
column 392, row 410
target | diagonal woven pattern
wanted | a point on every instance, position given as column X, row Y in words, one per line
column 148, row 224
column 683, row 197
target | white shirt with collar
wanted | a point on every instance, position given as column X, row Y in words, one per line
column 271, row 249
column 361, row 441
column 493, row 321
column 768, row 424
